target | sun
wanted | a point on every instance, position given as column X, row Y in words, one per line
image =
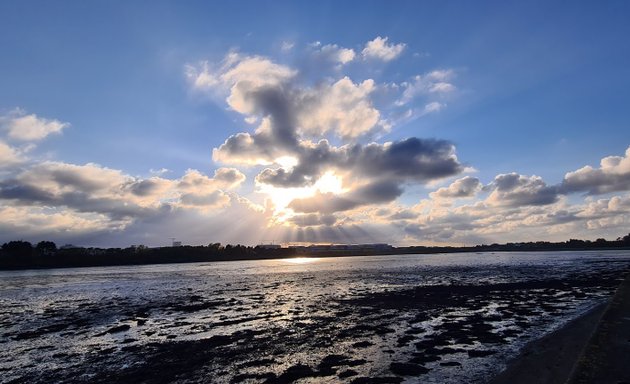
column 329, row 182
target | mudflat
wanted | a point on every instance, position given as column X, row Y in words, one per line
column 366, row 320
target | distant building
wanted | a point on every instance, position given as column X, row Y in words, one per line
column 177, row 243
column 323, row 248
column 269, row 246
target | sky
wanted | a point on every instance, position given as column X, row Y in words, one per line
column 407, row 122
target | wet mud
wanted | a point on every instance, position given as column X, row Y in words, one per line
column 380, row 326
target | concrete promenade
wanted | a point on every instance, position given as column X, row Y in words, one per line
column 606, row 358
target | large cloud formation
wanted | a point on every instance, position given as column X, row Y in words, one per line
column 613, row 175
column 300, row 121
column 321, row 171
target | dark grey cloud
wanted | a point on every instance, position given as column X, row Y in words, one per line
column 381, row 191
column 81, row 201
column 14, row 190
column 324, row 203
column 144, row 187
column 410, row 159
column 280, row 177
column 595, row 182
column 613, row 175
column 516, row 190
column 312, row 220
column 278, row 135
column 313, row 161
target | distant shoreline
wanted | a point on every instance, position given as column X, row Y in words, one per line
column 98, row 257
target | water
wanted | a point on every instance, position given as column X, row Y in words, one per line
column 312, row 319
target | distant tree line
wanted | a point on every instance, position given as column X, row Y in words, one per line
column 21, row 254
column 572, row 244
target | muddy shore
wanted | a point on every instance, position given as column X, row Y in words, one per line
column 267, row 333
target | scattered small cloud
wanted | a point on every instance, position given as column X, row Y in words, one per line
column 287, row 46
column 159, row 172
column 29, row 127
column 379, row 49
column 333, row 53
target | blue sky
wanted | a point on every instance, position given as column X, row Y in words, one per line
column 530, row 88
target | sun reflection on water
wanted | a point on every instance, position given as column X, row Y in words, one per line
column 302, row 260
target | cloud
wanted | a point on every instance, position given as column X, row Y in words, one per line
column 257, row 87
column 517, row 190
column 8, row 155
column 286, row 46
column 229, row 177
column 43, row 222
column 243, row 77
column 291, row 114
column 342, row 108
column 312, row 140
column 464, row 187
column 333, row 53
column 436, row 83
column 96, row 190
column 379, row 49
column 213, row 199
column 613, row 175
column 23, row 127
column 433, row 107
column 199, row 190
column 414, row 159
column 312, row 220
column 159, row 172
column 246, row 149
column 409, row 160
column 327, row 203
column 324, row 126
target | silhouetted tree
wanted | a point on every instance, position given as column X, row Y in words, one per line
column 46, row 248
column 18, row 248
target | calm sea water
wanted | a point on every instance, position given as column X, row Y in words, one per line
column 87, row 323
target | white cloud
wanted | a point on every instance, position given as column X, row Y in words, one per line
column 46, row 222
column 432, row 84
column 286, row 46
column 465, row 187
column 342, row 108
column 8, row 155
column 381, row 50
column 240, row 77
column 334, row 53
column 159, row 172
column 432, row 107
column 23, row 127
